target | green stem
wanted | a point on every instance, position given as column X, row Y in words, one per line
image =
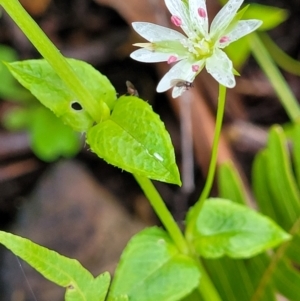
column 98, row 110
column 214, row 154
column 163, row 213
column 282, row 89
column 206, row 287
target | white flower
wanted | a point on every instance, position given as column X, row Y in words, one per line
column 198, row 48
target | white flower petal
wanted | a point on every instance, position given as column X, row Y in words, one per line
column 177, row 91
column 224, row 17
column 220, row 68
column 181, row 71
column 155, row 33
column 179, row 9
column 242, row 28
column 148, row 56
column 201, row 23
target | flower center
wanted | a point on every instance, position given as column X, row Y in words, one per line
column 199, row 48
column 203, row 48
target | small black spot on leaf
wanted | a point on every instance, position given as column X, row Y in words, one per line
column 76, row 106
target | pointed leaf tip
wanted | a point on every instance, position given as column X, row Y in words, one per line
column 226, row 228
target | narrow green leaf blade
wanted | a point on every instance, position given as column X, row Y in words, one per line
column 135, row 139
column 230, row 184
column 79, row 283
column 260, row 184
column 281, row 58
column 237, row 280
column 294, row 134
column 287, row 279
column 42, row 81
column 151, row 268
column 226, row 228
column 281, row 180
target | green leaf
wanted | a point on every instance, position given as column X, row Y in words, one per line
column 260, row 184
column 230, row 184
column 237, row 280
column 270, row 15
column 226, row 228
column 50, row 139
column 135, row 139
column 282, row 59
column 121, row 298
column 294, row 135
column 287, row 279
column 9, row 88
column 79, row 283
column 281, row 181
column 151, row 269
column 16, row 119
column 42, row 81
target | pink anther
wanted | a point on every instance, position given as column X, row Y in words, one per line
column 172, row 59
column 195, row 68
column 176, row 21
column 201, row 12
column 224, row 39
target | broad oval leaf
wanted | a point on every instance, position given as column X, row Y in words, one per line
column 42, row 81
column 135, row 139
column 226, row 228
column 151, row 269
column 79, row 283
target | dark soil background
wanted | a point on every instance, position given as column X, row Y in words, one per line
column 85, row 208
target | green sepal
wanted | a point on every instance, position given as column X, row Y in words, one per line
column 135, row 139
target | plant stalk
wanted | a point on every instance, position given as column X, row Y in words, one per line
column 214, row 157
column 206, row 287
column 163, row 213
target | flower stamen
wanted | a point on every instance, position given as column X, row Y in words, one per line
column 202, row 12
column 176, row 21
column 224, row 39
column 195, row 68
column 198, row 45
column 172, row 59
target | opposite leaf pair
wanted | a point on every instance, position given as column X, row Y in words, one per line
column 133, row 138
column 151, row 267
